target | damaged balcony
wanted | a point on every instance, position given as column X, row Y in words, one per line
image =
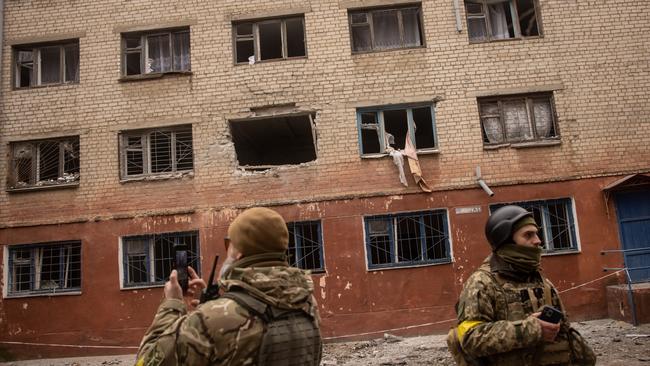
column 268, row 142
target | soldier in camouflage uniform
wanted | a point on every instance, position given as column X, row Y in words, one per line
column 498, row 308
column 266, row 316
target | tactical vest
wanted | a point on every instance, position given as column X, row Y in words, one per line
column 515, row 302
column 290, row 338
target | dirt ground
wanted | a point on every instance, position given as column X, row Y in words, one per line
column 616, row 343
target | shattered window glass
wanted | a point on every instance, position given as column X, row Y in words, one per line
column 305, row 245
column 50, row 64
column 273, row 39
column 156, row 52
column 517, row 119
column 385, row 29
column 157, row 151
column 506, row 19
column 44, row 268
column 45, row 163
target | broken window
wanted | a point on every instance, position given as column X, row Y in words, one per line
column 44, row 163
column 267, row 142
column 149, row 259
column 156, row 52
column 306, row 245
column 44, row 268
column 517, row 118
column 382, row 29
column 388, row 127
column 407, row 239
column 489, row 20
column 269, row 39
column 50, row 64
column 555, row 218
column 156, row 151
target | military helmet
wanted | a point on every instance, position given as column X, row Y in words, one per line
column 498, row 228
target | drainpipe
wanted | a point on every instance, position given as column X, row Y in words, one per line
column 2, row 41
column 459, row 24
column 482, row 183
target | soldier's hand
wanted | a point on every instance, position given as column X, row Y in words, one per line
column 549, row 330
column 173, row 289
column 194, row 288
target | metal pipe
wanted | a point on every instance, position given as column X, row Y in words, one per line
column 623, row 250
column 485, row 187
column 630, row 296
column 459, row 24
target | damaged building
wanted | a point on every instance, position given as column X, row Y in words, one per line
column 383, row 131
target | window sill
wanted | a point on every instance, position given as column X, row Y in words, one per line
column 382, row 155
column 370, row 52
column 391, row 266
column 561, row 252
column 45, row 86
column 524, row 145
column 156, row 177
column 43, row 294
column 271, row 60
column 156, row 75
column 43, row 187
column 142, row 287
column 505, row 40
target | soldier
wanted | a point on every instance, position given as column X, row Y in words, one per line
column 498, row 309
column 266, row 316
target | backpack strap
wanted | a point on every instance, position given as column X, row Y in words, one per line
column 250, row 303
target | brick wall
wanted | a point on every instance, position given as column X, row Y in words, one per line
column 593, row 53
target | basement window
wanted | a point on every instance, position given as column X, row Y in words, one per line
column 490, row 20
column 555, row 218
column 44, row 163
column 149, row 259
column 407, row 239
column 383, row 29
column 384, row 127
column 306, row 245
column 272, row 39
column 157, row 151
column 518, row 118
column 45, row 268
column 156, row 52
column 46, row 64
column 268, row 142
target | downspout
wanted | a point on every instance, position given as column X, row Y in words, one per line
column 459, row 24
column 2, row 41
column 482, row 183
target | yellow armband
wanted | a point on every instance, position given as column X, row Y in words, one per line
column 465, row 326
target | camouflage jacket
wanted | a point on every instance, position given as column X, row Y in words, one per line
column 495, row 325
column 222, row 332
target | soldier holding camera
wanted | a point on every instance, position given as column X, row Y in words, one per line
column 265, row 316
column 508, row 312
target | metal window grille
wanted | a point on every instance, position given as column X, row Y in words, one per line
column 157, row 151
column 306, row 245
column 387, row 127
column 555, row 217
column 407, row 239
column 46, row 64
column 44, row 162
column 156, row 52
column 44, row 268
column 149, row 259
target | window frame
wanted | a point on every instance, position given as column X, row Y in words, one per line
column 291, row 227
column 34, row 271
column 529, row 99
column 572, row 225
column 143, row 50
column 369, row 23
column 145, row 139
column 392, row 232
column 40, row 184
column 150, row 258
column 516, row 27
column 255, row 37
column 36, row 73
column 381, row 129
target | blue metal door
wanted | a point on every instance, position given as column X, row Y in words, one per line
column 633, row 210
